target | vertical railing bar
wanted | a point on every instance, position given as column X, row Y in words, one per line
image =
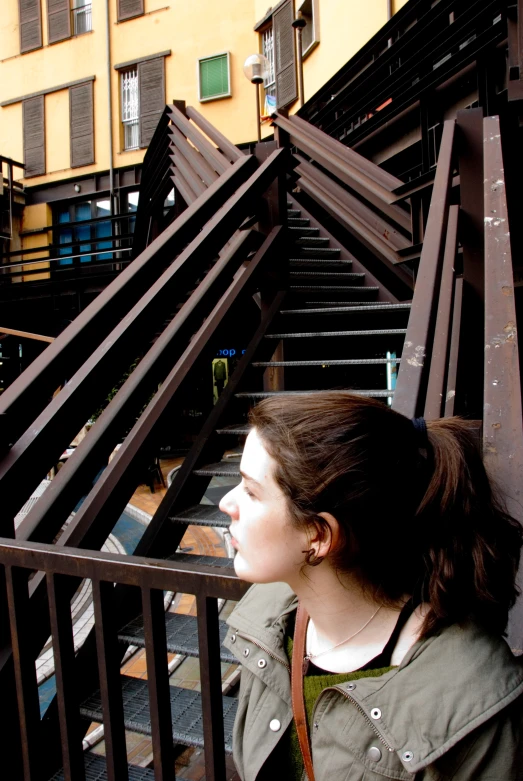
column 211, row 686
column 413, row 370
column 450, row 394
column 110, row 684
column 66, row 691
column 25, row 672
column 438, row 364
column 158, row 683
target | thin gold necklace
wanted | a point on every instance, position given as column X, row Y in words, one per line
column 309, row 657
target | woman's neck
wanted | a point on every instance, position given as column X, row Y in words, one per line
column 339, row 607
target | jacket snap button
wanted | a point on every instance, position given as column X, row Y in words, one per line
column 233, row 638
column 351, row 687
column 407, row 756
column 374, row 753
column 274, row 725
column 375, row 713
column 262, row 663
column 246, row 652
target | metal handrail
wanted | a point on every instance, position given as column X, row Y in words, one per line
column 63, row 568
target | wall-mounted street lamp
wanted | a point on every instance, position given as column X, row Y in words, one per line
column 256, row 69
column 299, row 23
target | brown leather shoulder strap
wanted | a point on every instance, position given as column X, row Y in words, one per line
column 298, row 700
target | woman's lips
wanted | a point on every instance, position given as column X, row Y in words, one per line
column 234, row 542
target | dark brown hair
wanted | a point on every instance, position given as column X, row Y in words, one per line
column 422, row 522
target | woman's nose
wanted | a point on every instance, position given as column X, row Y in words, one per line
column 228, row 504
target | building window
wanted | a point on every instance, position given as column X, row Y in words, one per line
column 81, row 17
column 310, row 36
column 270, row 81
column 142, row 99
column 84, row 243
column 130, row 108
column 214, row 78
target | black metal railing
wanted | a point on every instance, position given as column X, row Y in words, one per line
column 8, row 188
column 63, row 569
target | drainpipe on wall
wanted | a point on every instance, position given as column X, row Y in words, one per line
column 110, row 107
column 389, row 9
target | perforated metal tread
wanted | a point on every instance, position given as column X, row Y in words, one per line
column 298, row 222
column 310, row 334
column 96, row 770
column 302, row 230
column 204, row 561
column 202, row 515
column 181, row 632
column 293, row 212
column 373, row 394
column 358, row 308
column 337, row 288
column 310, row 241
column 186, row 712
column 320, row 262
column 338, row 275
column 316, row 252
column 223, row 469
column 330, row 362
column 237, row 430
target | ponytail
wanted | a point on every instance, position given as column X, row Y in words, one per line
column 472, row 545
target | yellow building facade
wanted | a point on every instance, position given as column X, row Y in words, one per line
column 57, row 54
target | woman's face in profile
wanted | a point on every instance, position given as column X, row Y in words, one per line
column 269, row 547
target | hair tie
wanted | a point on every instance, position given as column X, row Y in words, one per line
column 420, row 427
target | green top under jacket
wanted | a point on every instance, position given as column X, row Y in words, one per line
column 451, row 710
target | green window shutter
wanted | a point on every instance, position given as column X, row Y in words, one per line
column 214, row 77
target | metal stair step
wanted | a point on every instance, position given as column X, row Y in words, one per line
column 375, row 394
column 181, row 632
column 293, row 212
column 298, row 222
column 202, row 515
column 313, row 251
column 203, row 561
column 96, row 770
column 223, row 469
column 310, row 241
column 330, row 362
column 334, row 288
column 303, row 232
column 311, row 334
column 186, row 712
column 239, row 429
column 358, row 308
column 328, row 275
column 319, row 263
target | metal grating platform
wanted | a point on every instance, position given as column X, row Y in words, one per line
column 96, row 770
column 202, row 515
column 181, row 633
column 223, row 469
column 186, row 712
column 373, row 394
column 204, row 561
column 312, row 334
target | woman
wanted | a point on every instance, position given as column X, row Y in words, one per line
column 388, row 535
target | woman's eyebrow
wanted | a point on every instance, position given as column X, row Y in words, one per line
column 249, row 478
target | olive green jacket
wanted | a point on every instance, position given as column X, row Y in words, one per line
column 451, row 710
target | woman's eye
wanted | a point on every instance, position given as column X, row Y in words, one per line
column 249, row 493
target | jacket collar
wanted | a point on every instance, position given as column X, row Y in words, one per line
column 445, row 687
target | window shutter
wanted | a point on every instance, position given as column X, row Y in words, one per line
column 152, row 97
column 34, row 136
column 129, row 8
column 214, row 77
column 81, row 124
column 284, row 56
column 30, row 25
column 58, row 20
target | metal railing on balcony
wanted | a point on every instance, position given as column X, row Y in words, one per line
column 81, row 19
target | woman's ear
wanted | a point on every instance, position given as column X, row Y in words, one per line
column 328, row 537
